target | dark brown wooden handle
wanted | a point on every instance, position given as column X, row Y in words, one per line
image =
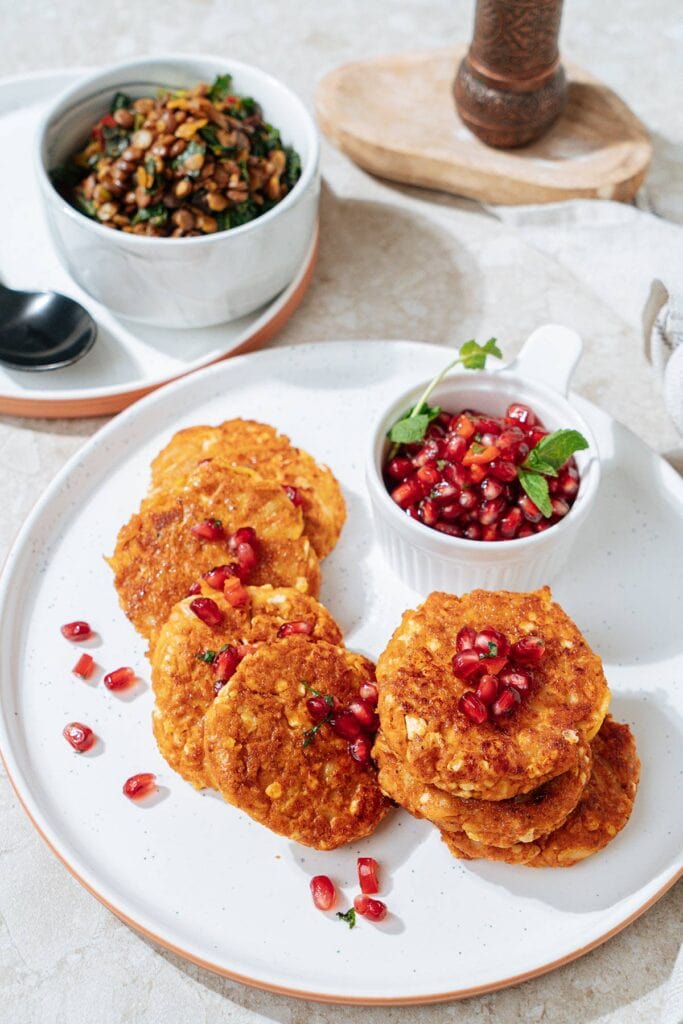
column 511, row 86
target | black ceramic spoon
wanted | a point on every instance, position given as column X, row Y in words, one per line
column 42, row 330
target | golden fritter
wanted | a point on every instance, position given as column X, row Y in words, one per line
column 419, row 693
column 259, row 447
column 501, row 823
column 600, row 814
column 157, row 557
column 260, row 760
column 186, row 659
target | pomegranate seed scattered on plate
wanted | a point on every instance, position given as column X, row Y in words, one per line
column 374, row 910
column 294, row 629
column 84, row 666
column 209, row 529
column 139, row 786
column 367, row 875
column 80, row 736
column 217, row 576
column 323, row 892
column 361, row 749
column 207, row 610
column 119, row 679
column 368, row 691
column 78, row 630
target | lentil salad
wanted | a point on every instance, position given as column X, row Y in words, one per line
column 186, row 163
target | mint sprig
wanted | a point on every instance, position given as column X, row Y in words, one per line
column 349, row 916
column 412, row 426
column 544, row 460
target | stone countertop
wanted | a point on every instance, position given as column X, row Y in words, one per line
column 394, row 262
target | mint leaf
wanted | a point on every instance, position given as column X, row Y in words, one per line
column 220, row 88
column 349, row 916
column 120, row 102
column 536, row 486
column 208, row 656
column 410, row 430
column 556, row 448
column 473, row 356
column 538, row 464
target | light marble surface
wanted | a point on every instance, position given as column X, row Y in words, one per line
column 394, row 263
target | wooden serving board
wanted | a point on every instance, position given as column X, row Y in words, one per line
column 395, row 117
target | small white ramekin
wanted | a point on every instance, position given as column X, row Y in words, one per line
column 180, row 282
column 427, row 560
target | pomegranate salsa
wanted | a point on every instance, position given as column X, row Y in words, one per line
column 184, row 163
column 482, row 477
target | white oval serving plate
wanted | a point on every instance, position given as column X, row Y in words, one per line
column 203, row 879
column 128, row 359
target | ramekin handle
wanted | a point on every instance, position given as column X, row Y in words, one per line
column 549, row 355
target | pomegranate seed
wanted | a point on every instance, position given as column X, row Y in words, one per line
column 560, row 507
column 361, row 749
column 399, row 468
column 480, row 455
column 456, row 475
column 217, row 576
column 510, row 438
column 346, row 725
column 365, row 713
column 298, row 628
column 368, row 691
column 463, row 425
column 487, row 425
column 487, row 689
column 245, row 535
column 490, row 532
column 76, row 630
column 473, row 532
column 526, row 530
column 510, row 523
column 454, row 448
column 450, row 512
column 323, row 892
column 84, row 666
column 367, row 875
column 468, row 500
column 443, row 492
column 530, row 511
column 435, row 430
column 406, row 493
column 196, row 588
column 503, row 470
column 490, row 511
column 521, row 413
column 207, row 610
column 318, row 709
column 528, row 651
column 491, row 488
column 218, row 686
column 491, row 643
column 294, row 495
column 450, row 529
column 477, row 474
column 428, row 512
column 79, row 736
column 209, row 529
column 139, row 786
column 233, row 592
column 506, row 703
column 467, row 664
column 225, row 664
column 472, row 708
column 495, row 665
column 518, row 679
column 568, row 483
column 119, row 679
column 374, row 910
column 246, row 560
column 535, row 435
column 464, row 641
column 428, row 474
column 444, row 418
column 487, row 439
column 427, row 453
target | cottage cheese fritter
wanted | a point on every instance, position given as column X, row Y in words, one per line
column 501, row 823
column 418, row 697
column 157, row 557
column 261, row 448
column 184, row 679
column 601, row 813
column 254, row 743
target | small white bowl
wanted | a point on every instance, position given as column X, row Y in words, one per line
column 180, row 282
column 428, row 560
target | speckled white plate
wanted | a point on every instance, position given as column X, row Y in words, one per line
column 128, row 359
column 205, row 880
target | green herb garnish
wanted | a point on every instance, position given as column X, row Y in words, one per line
column 115, row 140
column 412, row 426
column 310, row 734
column 211, row 138
column 292, row 171
column 544, row 460
column 220, row 88
column 120, row 102
column 156, row 215
column 349, row 916
column 191, row 149
column 208, row 656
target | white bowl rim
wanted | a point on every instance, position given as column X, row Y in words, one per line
column 426, row 537
column 308, row 172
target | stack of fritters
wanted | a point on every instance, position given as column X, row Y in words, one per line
column 245, row 735
column 549, row 784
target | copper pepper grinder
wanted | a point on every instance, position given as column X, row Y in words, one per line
column 511, row 86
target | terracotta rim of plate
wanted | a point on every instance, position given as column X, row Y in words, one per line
column 323, row 997
column 107, row 405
